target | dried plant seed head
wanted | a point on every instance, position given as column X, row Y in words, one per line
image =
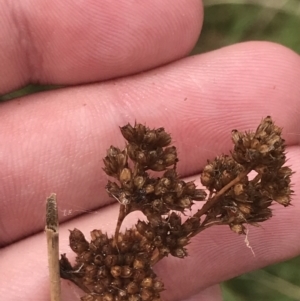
column 119, row 268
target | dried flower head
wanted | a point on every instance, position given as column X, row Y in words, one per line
column 119, row 268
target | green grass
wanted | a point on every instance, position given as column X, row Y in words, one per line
column 228, row 24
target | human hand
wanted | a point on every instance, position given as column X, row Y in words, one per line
column 55, row 141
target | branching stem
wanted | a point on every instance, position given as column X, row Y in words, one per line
column 210, row 203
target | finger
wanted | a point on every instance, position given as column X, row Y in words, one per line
column 212, row 293
column 57, row 145
column 215, row 255
column 74, row 42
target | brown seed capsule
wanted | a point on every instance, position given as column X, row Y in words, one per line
column 116, row 271
column 158, row 286
column 179, row 252
column 99, row 288
column 206, row 179
column 132, row 288
column 163, row 139
column 125, row 175
column 117, row 282
column 110, row 168
column 102, row 272
column 146, row 294
column 168, row 199
column 265, row 125
column 139, row 263
column 182, row 241
column 90, row 270
column 170, row 155
column 111, row 260
column 121, row 295
column 141, row 226
column 128, row 259
column 155, row 219
column 138, row 275
column 87, row 280
column 264, row 149
column 147, row 282
column 126, row 271
column 98, row 259
column 236, row 137
column 245, row 208
column 158, row 166
column 134, row 298
column 77, row 241
column 141, row 157
column 139, row 181
column 185, row 203
column 164, row 251
column 160, row 189
column 150, row 137
column 149, row 234
column 86, row 256
column 140, row 131
column 190, row 224
column 284, row 172
column 237, row 228
column 121, row 160
column 255, row 144
column 128, row 132
column 132, row 150
column 261, row 169
column 149, row 188
column 283, row 200
column 190, row 188
column 107, row 297
column 95, row 234
column 199, row 195
column 87, row 298
column 238, row 189
column 157, row 241
column 174, row 219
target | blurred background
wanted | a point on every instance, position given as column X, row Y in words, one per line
column 227, row 22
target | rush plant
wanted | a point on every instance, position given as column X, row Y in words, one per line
column 120, row 267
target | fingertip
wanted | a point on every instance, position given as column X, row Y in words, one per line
column 71, row 42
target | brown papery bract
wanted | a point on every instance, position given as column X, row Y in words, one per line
column 119, row 268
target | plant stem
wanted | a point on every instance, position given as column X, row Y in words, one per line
column 53, row 246
column 210, row 203
column 122, row 215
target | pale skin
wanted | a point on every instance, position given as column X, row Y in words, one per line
column 54, row 141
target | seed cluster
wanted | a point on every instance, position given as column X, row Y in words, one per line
column 248, row 201
column 119, row 268
column 137, row 189
column 111, row 273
